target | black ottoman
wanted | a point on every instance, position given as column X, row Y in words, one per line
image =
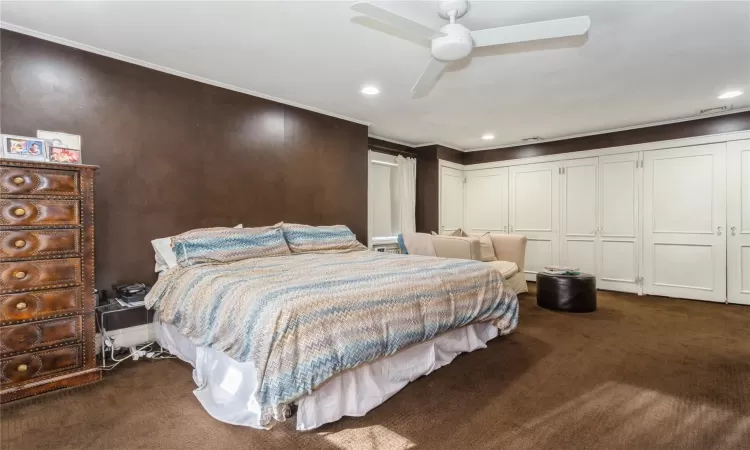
column 571, row 293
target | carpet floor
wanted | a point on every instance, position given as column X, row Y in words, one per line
column 639, row 373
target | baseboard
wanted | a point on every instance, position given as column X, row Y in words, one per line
column 128, row 337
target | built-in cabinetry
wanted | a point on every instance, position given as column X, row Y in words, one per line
column 738, row 222
column 671, row 221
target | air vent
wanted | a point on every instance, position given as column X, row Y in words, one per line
column 532, row 139
column 718, row 109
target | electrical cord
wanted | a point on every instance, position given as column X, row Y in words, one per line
column 135, row 352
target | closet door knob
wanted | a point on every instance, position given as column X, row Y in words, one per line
column 733, row 231
column 718, row 231
column 18, row 181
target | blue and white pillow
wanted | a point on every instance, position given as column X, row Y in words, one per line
column 211, row 245
column 325, row 239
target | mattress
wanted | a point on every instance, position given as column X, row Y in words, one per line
column 226, row 388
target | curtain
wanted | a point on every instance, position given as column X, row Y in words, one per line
column 406, row 184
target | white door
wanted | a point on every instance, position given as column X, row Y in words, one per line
column 579, row 219
column 534, row 212
column 618, row 245
column 738, row 221
column 451, row 200
column 684, row 240
column 487, row 200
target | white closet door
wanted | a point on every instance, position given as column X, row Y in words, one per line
column 451, row 199
column 579, row 215
column 738, row 221
column 618, row 250
column 685, row 222
column 487, row 200
column 534, row 212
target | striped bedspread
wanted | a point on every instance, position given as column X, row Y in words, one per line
column 304, row 318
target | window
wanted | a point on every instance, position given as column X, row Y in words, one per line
column 383, row 199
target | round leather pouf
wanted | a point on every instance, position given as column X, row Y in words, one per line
column 570, row 293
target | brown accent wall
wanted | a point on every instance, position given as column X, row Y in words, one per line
column 700, row 127
column 428, row 194
column 176, row 154
column 390, row 148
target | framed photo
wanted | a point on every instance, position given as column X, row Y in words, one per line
column 59, row 139
column 64, row 155
column 25, row 148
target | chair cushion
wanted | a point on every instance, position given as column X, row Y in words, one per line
column 486, row 249
column 507, row 268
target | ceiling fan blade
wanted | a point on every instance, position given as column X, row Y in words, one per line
column 394, row 20
column 428, row 78
column 549, row 29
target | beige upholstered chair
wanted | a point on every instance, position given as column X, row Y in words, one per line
column 510, row 251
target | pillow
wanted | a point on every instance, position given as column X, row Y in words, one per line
column 486, row 248
column 222, row 245
column 459, row 232
column 328, row 239
column 163, row 254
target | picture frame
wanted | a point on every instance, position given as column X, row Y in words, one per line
column 64, row 155
column 60, row 139
column 24, row 148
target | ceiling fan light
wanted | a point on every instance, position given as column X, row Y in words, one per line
column 488, row 136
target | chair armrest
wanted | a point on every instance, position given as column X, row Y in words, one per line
column 456, row 247
column 510, row 247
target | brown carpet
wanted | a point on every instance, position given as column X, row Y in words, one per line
column 640, row 373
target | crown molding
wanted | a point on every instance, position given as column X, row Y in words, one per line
column 139, row 62
column 614, row 130
column 392, row 141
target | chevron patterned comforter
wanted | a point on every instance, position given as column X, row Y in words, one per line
column 304, row 318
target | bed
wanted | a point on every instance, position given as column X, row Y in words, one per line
column 323, row 333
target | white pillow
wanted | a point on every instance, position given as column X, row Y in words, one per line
column 163, row 254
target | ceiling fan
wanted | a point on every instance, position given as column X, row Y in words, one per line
column 454, row 41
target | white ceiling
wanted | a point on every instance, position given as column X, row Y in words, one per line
column 642, row 62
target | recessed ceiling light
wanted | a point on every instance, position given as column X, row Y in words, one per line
column 730, row 94
column 370, row 90
column 488, row 136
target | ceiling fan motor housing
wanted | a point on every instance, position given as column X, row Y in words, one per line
column 456, row 44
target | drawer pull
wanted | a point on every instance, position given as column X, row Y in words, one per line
column 20, row 306
column 22, row 368
column 19, row 275
column 18, row 180
column 20, row 243
column 19, row 212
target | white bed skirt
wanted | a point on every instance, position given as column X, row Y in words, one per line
column 226, row 387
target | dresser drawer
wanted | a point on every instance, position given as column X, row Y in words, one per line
column 16, row 244
column 40, row 304
column 25, row 181
column 29, row 275
column 33, row 335
column 30, row 212
column 29, row 366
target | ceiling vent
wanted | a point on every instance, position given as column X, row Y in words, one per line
column 531, row 139
column 718, row 109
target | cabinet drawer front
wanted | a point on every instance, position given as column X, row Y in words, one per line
column 16, row 244
column 23, row 181
column 29, row 212
column 17, row 369
column 30, row 336
column 29, row 275
column 41, row 304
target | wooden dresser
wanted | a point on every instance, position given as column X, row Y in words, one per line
column 46, row 278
